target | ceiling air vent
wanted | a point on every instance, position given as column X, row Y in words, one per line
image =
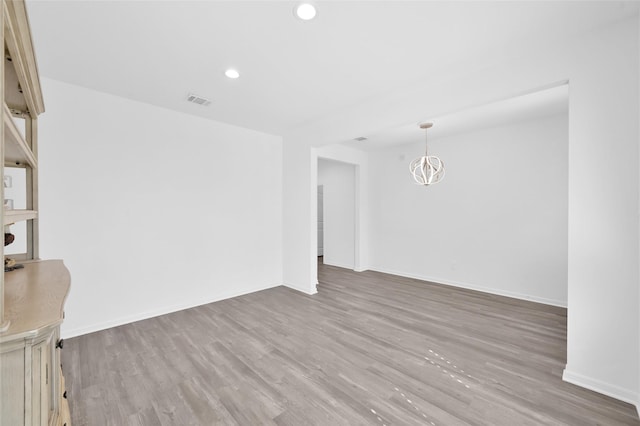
column 198, row 99
column 360, row 139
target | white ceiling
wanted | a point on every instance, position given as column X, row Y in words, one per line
column 544, row 103
column 292, row 72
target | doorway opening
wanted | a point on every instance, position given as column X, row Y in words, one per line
column 337, row 213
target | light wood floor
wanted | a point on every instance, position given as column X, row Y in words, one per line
column 368, row 349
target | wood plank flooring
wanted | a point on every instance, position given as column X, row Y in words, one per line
column 368, row 349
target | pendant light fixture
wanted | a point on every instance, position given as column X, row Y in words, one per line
column 428, row 169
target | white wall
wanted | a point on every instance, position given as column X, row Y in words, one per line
column 603, row 343
column 320, row 214
column 299, row 205
column 17, row 193
column 338, row 181
column 496, row 223
column 154, row 210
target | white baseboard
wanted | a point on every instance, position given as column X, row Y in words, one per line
column 340, row 265
column 337, row 264
column 311, row 292
column 79, row 331
column 604, row 388
column 490, row 290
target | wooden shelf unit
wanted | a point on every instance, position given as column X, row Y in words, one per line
column 14, row 216
column 22, row 98
column 31, row 299
column 17, row 152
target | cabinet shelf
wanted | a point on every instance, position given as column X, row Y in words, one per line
column 16, row 150
column 13, row 216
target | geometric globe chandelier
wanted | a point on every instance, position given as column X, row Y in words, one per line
column 428, row 169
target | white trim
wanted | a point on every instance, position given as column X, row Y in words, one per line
column 311, row 292
column 313, row 269
column 599, row 386
column 496, row 291
column 337, row 264
column 357, row 240
column 158, row 312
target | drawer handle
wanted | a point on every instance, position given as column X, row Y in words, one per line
column 64, row 395
column 60, row 343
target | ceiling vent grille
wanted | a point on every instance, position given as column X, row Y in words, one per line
column 360, row 139
column 198, row 100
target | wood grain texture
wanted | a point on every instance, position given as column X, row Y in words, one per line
column 20, row 45
column 12, row 388
column 17, row 150
column 64, row 416
column 33, row 192
column 368, row 349
column 4, row 323
column 34, row 298
column 18, row 215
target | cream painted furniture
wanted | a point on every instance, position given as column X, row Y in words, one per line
column 31, row 382
column 31, row 299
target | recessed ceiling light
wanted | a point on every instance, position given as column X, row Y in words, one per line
column 305, row 11
column 231, row 73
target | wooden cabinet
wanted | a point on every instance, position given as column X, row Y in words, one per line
column 31, row 299
column 31, row 382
